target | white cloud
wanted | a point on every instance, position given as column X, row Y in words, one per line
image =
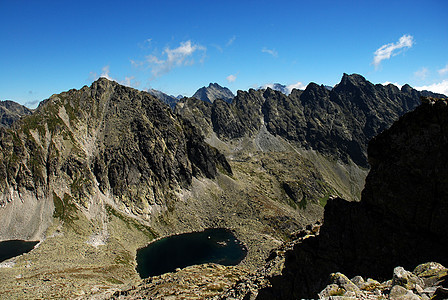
column 230, row 41
column 441, row 87
column 286, row 89
column 32, row 103
column 394, row 83
column 171, row 58
column 137, row 63
column 422, row 73
column 267, row 85
column 105, row 72
column 298, row 85
column 231, row 78
column 145, row 44
column 218, row 47
column 128, row 81
column 92, row 76
column 269, row 51
column 392, row 49
column 443, row 71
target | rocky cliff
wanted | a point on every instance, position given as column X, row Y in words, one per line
column 399, row 221
column 11, row 111
column 213, row 92
column 105, row 139
column 337, row 122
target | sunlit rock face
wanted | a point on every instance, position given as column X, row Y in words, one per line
column 106, row 140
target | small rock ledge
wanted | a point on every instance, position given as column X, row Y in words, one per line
column 427, row 281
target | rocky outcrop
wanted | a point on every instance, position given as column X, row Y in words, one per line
column 11, row 111
column 337, row 122
column 106, row 139
column 399, row 221
column 214, row 92
column 205, row 281
column 427, row 281
column 243, row 117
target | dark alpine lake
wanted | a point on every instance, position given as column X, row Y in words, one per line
column 209, row 246
column 9, row 249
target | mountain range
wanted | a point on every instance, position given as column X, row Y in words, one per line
column 209, row 94
column 105, row 169
column 337, row 122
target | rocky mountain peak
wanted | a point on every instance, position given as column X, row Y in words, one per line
column 406, row 88
column 354, row 86
column 212, row 92
column 315, row 91
column 103, row 83
column 214, row 85
column 353, row 79
column 269, row 92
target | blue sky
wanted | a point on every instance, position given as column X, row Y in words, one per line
column 177, row 47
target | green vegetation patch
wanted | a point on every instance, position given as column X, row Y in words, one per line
column 131, row 223
column 304, row 202
column 65, row 209
column 80, row 184
column 114, row 280
column 123, row 258
column 323, row 201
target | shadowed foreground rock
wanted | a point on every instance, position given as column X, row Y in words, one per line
column 427, row 281
column 195, row 282
column 400, row 221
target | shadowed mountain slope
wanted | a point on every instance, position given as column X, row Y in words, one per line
column 400, row 221
column 337, row 122
column 11, row 111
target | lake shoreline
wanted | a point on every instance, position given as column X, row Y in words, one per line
column 211, row 245
column 14, row 248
